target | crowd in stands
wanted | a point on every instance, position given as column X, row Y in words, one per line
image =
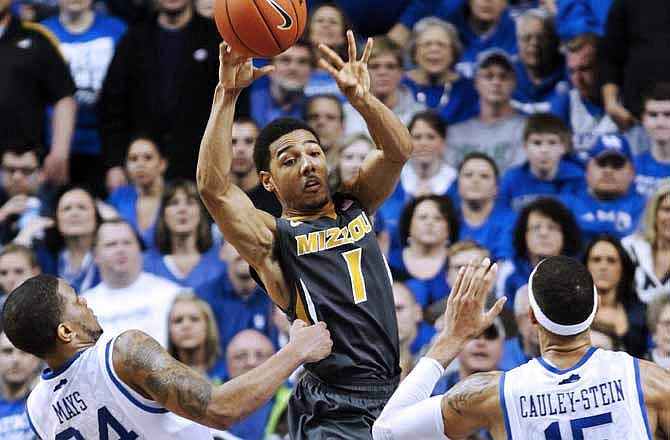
column 539, row 128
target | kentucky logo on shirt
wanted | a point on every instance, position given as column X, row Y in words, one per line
column 333, row 237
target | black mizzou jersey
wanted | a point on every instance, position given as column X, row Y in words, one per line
column 338, row 274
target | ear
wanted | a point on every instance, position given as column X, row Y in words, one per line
column 266, row 181
column 64, row 332
column 531, row 315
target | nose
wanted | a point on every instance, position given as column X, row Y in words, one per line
column 307, row 165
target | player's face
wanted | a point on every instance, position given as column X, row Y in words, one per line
column 15, row 268
column 533, row 42
column 429, row 226
column 243, row 139
column 20, row 173
column 247, row 351
column 609, row 178
column 324, row 116
column 16, row 367
column 299, row 172
column 78, row 315
column 434, row 51
column 544, row 237
column 544, row 152
column 351, row 159
column 75, row 6
column 482, row 353
column 188, row 327
column 604, row 264
column 182, row 214
column 117, row 249
column 428, row 144
column 656, row 120
column 144, row 163
column 292, row 68
column 385, row 74
column 327, row 27
column 477, row 181
column 662, row 331
column 487, row 10
column 495, row 84
column 75, row 214
column 582, row 68
column 408, row 313
column 663, row 218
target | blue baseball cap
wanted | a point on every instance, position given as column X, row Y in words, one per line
column 613, row 143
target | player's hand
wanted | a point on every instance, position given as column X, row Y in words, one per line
column 352, row 77
column 465, row 316
column 312, row 342
column 237, row 71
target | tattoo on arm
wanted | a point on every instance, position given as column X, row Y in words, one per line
column 470, row 392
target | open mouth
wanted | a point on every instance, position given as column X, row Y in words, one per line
column 312, row 184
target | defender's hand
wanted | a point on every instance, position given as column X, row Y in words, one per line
column 312, row 343
column 236, row 71
column 352, row 77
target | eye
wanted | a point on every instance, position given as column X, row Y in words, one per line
column 288, row 162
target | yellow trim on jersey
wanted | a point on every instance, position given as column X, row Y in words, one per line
column 46, row 33
column 300, row 310
column 330, row 214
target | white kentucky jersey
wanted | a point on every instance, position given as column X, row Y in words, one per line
column 85, row 399
column 600, row 398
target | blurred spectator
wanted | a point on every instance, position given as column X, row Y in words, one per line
column 33, row 75
column 497, row 129
column 526, row 346
column 128, row 298
column 634, row 56
column 17, row 264
column 139, row 202
column 161, row 81
column 205, row 8
column 285, row 95
column 18, row 374
column 414, row 333
column 349, row 154
column 654, row 165
column 540, row 72
column 131, row 11
column 582, row 107
column 385, row 68
column 435, row 49
column 87, row 40
column 658, row 320
column 650, row 248
column 577, row 17
column 546, row 140
column 609, row 203
column 428, row 225
column 247, row 350
column 482, row 218
column 185, row 253
column 620, row 312
column 385, row 14
column 325, row 114
column 194, row 336
column 545, row 228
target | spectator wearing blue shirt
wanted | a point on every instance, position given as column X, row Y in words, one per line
column 184, row 252
column 609, row 204
column 654, row 165
column 545, row 228
column 540, row 72
column 546, row 173
column 576, row 17
column 483, row 219
column 526, row 345
column 87, row 40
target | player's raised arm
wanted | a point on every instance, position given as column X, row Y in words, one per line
column 380, row 172
column 145, row 366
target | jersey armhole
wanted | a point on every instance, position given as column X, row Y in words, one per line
column 501, row 386
column 32, row 426
column 640, row 396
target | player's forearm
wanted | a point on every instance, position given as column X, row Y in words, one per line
column 62, row 125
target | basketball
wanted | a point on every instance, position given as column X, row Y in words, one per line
column 260, row 28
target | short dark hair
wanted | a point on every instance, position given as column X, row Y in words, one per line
column 383, row 45
column 432, row 119
column 563, row 288
column 582, row 40
column 659, row 92
column 546, row 123
column 558, row 213
column 444, row 205
column 625, row 289
column 21, row 146
column 245, row 120
column 328, row 96
column 273, row 131
column 54, row 240
column 119, row 221
column 32, row 313
column 482, row 156
column 15, row 248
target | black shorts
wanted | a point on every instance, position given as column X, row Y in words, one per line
column 318, row 411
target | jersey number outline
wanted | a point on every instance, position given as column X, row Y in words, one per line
column 577, row 426
column 353, row 260
column 105, row 421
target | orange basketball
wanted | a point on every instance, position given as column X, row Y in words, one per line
column 260, row 28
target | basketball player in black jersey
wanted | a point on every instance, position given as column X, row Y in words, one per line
column 320, row 261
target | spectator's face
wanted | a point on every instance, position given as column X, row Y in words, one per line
column 188, row 327
column 15, row 268
column 20, row 173
column 75, row 214
column 544, row 237
column 182, row 214
column 327, row 27
column 601, row 340
column 656, row 120
column 16, row 367
column 173, row 7
column 582, row 68
column 663, row 218
column 527, row 329
column 428, row 144
column 408, row 313
column 544, row 152
column 434, row 51
column 144, row 162
column 477, row 181
column 325, row 117
column 495, row 84
column 75, row 6
column 428, row 225
column 238, row 267
column 117, row 249
column 205, row 8
column 351, row 159
column 244, row 138
column 533, row 42
column 385, row 74
column 247, row 350
column 609, row 176
column 482, row 353
column 604, row 264
column 461, row 259
column 292, row 68
column 5, row 8
column 487, row 10
column 662, row 331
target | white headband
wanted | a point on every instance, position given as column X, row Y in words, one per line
column 553, row 327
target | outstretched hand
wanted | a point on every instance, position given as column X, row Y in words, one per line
column 352, row 77
column 237, row 71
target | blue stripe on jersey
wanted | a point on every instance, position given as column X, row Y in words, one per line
column 640, row 397
column 504, row 407
column 30, row 422
column 48, row 373
column 555, row 370
column 123, row 389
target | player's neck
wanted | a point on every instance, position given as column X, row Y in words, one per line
column 327, row 209
column 77, row 22
column 562, row 351
column 58, row 359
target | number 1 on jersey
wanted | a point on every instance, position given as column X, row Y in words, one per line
column 353, row 259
